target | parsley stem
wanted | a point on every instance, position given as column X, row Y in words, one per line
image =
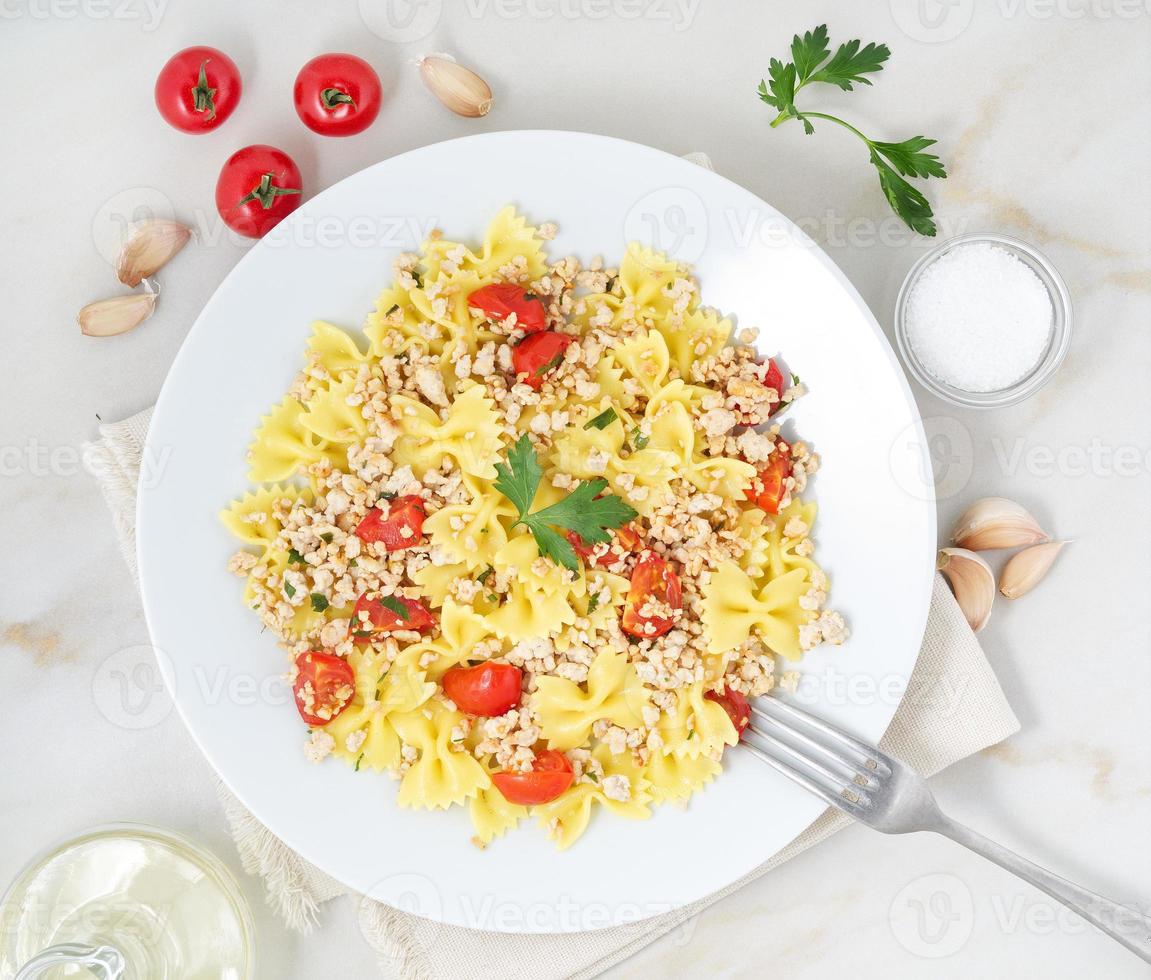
column 838, row 121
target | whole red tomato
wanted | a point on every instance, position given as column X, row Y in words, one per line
column 259, row 186
column 198, row 89
column 337, row 95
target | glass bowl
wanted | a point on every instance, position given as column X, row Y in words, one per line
column 1057, row 346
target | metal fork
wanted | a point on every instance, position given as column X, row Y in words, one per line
column 888, row 796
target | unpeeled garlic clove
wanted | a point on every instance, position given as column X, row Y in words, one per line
column 1026, row 569
column 972, row 581
column 108, row 317
column 996, row 522
column 457, row 87
column 149, row 246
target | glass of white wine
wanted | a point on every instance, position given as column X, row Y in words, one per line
column 126, row 900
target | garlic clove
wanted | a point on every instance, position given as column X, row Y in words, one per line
column 149, row 246
column 972, row 581
column 457, row 87
column 996, row 522
column 108, row 317
column 1026, row 569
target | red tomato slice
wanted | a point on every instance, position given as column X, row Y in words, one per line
column 653, row 578
column 402, row 528
column 626, row 540
column 537, row 354
column 766, row 490
column 501, row 299
column 197, row 89
column 381, row 619
column 257, row 188
column 324, row 686
column 736, row 706
column 551, row 775
column 774, row 379
column 486, row 689
column 337, row 95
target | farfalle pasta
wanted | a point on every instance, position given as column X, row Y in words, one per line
column 532, row 538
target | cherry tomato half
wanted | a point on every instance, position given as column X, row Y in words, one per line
column 501, row 299
column 324, row 686
column 259, row 186
column 486, row 689
column 551, row 775
column 198, row 89
column 774, row 379
column 766, row 490
column 337, row 95
column 736, row 706
column 625, row 540
column 402, row 528
column 383, row 619
column 537, row 354
column 652, row 578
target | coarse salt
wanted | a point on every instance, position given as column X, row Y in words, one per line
column 978, row 318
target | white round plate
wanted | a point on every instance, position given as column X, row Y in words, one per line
column 329, row 260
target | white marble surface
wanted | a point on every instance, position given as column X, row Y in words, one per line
column 1040, row 109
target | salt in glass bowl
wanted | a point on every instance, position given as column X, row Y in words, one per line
column 1057, row 344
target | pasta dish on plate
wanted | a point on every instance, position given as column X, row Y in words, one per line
column 533, row 538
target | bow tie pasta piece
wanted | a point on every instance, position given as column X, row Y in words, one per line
column 492, row 815
column 752, row 528
column 472, row 533
column 444, row 772
column 592, row 604
column 645, row 357
column 722, row 475
column 521, row 555
column 676, row 776
column 650, row 280
column 257, row 518
column 435, row 581
column 527, row 613
column 333, row 350
column 331, row 418
column 566, row 817
column 677, row 392
column 470, row 434
column 282, row 447
column 512, row 250
column 395, row 325
column 697, row 726
column 733, row 608
column 567, row 712
column 694, row 336
column 461, row 628
column 781, row 549
column 364, row 731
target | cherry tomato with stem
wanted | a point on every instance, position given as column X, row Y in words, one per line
column 652, row 578
column 551, row 775
column 337, row 95
column 198, row 89
column 487, row 689
column 324, row 686
column 382, row 615
column 534, row 357
column 500, row 300
column 259, row 186
column 736, row 706
column 402, row 527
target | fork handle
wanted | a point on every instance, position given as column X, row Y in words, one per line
column 1123, row 924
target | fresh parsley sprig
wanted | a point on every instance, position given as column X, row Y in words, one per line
column 812, row 61
column 583, row 510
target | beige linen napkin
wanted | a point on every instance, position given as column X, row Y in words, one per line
column 952, row 679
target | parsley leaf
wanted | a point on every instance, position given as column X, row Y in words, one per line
column 394, row 604
column 555, row 362
column 852, row 62
column 638, row 439
column 582, row 510
column 289, row 589
column 593, row 603
column 603, row 420
column 319, row 603
column 294, row 557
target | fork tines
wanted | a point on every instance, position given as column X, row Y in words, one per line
column 822, row 758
